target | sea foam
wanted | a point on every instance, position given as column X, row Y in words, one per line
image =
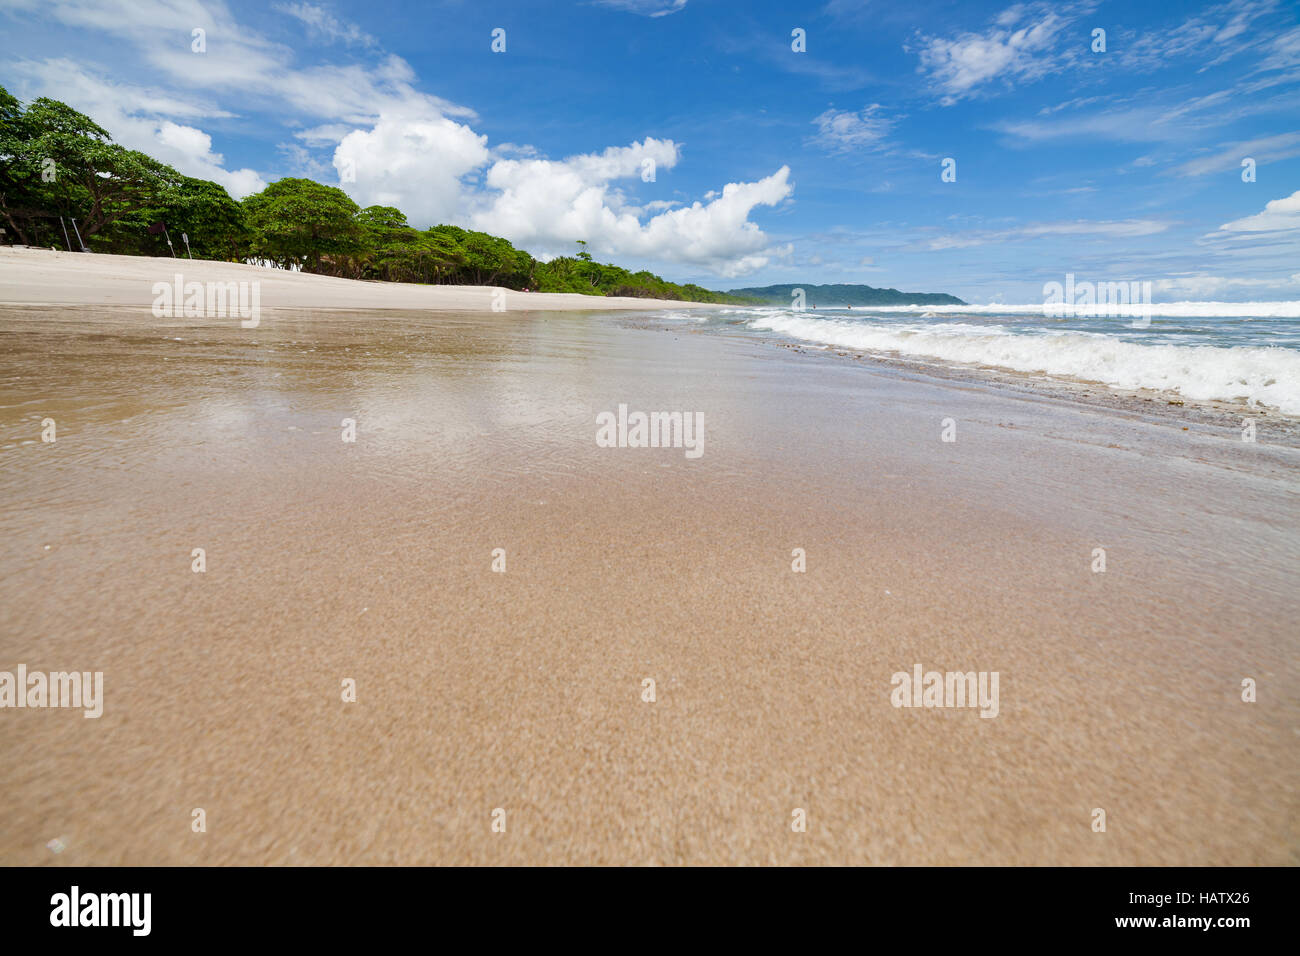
column 1267, row 375
column 1232, row 310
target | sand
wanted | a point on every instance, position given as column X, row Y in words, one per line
column 46, row 277
column 523, row 690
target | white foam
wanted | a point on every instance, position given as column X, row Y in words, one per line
column 1227, row 310
column 1198, row 372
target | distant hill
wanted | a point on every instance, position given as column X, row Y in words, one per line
column 838, row 296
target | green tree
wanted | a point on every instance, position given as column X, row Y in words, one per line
column 20, row 202
column 203, row 210
column 95, row 179
column 483, row 259
column 216, row 223
column 302, row 222
column 58, row 161
column 383, row 221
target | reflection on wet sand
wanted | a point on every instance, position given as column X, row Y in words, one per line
column 371, row 561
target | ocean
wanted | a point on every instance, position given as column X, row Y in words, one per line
column 1246, row 352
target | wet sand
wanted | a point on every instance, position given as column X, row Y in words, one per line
column 522, row 690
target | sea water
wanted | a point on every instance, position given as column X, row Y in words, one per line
column 1232, row 351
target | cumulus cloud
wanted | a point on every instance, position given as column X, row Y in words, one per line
column 1278, row 215
column 190, row 151
column 393, row 144
column 438, row 170
column 550, row 203
column 547, row 205
column 413, row 162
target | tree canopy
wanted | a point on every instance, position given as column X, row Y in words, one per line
column 61, row 163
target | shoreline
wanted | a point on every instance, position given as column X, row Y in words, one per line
column 1219, row 416
column 53, row 279
column 1164, row 405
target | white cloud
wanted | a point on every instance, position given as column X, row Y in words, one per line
column 843, row 131
column 426, row 165
column 136, row 117
column 1114, row 228
column 326, row 25
column 413, row 162
column 1027, row 41
column 161, row 33
column 547, row 205
column 1138, row 124
column 1278, row 215
column 645, row 8
column 1200, row 286
column 959, row 65
column 1212, row 36
column 302, row 162
column 190, row 151
column 1285, row 54
column 1264, row 150
column 240, row 61
column 407, row 148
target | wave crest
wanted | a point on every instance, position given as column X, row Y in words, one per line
column 1265, row 375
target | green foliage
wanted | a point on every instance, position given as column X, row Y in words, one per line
column 394, row 251
column 116, row 194
column 585, row 276
column 58, row 162
column 300, row 222
column 93, row 178
column 19, row 174
column 203, row 210
column 215, row 223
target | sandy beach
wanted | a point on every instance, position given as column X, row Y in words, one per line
column 523, row 690
column 47, row 277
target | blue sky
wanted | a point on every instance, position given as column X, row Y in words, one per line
column 769, row 165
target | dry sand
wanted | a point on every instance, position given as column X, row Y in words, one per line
column 45, row 277
column 523, row 690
